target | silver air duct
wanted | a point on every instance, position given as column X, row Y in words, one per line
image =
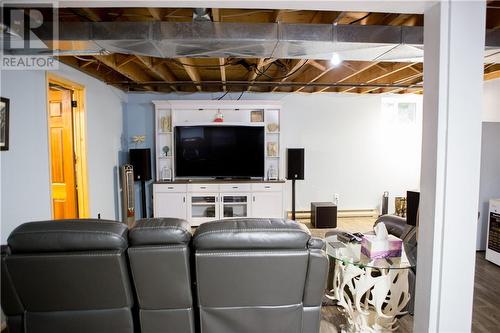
column 246, row 40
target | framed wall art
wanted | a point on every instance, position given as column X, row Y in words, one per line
column 4, row 123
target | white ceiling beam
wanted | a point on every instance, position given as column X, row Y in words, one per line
column 382, row 6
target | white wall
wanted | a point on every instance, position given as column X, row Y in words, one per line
column 25, row 183
column 351, row 149
column 490, row 176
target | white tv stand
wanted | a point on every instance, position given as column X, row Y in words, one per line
column 202, row 201
column 199, row 201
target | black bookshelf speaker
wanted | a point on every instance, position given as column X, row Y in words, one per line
column 141, row 161
column 295, row 163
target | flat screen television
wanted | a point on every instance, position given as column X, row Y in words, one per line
column 219, row 151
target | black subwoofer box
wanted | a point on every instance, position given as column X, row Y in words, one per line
column 323, row 215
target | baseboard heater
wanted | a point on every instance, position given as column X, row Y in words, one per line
column 350, row 213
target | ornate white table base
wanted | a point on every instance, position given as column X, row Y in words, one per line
column 370, row 298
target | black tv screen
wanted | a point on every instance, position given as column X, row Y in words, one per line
column 221, row 151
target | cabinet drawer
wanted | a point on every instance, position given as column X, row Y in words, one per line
column 270, row 187
column 235, row 188
column 203, row 188
column 170, row 188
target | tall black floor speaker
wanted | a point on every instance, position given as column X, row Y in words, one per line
column 295, row 170
column 141, row 161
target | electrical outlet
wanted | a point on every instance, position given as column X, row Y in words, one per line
column 336, row 197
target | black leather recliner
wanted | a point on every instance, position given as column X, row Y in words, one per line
column 252, row 275
column 70, row 277
column 160, row 262
column 259, row 275
column 11, row 304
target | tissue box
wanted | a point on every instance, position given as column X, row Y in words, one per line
column 375, row 248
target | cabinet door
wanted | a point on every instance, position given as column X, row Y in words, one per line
column 203, row 207
column 170, row 205
column 234, row 205
column 267, row 204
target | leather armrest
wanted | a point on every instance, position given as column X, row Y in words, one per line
column 316, row 243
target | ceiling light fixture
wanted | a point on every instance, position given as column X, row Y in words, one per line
column 335, row 59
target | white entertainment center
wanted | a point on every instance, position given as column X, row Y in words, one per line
column 200, row 200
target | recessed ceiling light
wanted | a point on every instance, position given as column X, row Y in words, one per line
column 335, row 59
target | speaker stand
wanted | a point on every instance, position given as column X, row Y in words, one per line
column 143, row 199
column 293, row 199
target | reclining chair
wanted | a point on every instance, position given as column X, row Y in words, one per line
column 68, row 276
column 160, row 262
column 259, row 275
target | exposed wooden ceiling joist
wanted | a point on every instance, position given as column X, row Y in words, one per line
column 376, row 75
column 492, row 72
column 404, row 79
column 315, row 77
column 345, row 73
column 297, row 65
column 156, row 13
column 130, row 70
column 222, row 73
column 306, row 75
column 190, row 68
column 253, row 74
column 158, row 69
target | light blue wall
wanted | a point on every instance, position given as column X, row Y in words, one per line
column 139, row 120
column 25, row 180
column 25, row 166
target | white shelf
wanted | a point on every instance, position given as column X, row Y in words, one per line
column 202, row 113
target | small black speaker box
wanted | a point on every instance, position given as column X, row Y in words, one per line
column 141, row 161
column 323, row 215
column 412, row 203
column 295, row 163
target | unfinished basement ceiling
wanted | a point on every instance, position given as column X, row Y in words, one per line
column 261, row 69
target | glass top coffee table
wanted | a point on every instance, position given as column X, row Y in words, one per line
column 371, row 292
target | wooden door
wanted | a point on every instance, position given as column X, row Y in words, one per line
column 62, row 162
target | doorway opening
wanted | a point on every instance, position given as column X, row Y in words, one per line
column 67, row 148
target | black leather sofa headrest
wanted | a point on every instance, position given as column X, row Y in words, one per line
column 251, row 234
column 68, row 235
column 160, row 231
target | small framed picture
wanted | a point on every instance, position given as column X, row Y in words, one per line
column 272, row 149
column 257, row 116
column 4, row 123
